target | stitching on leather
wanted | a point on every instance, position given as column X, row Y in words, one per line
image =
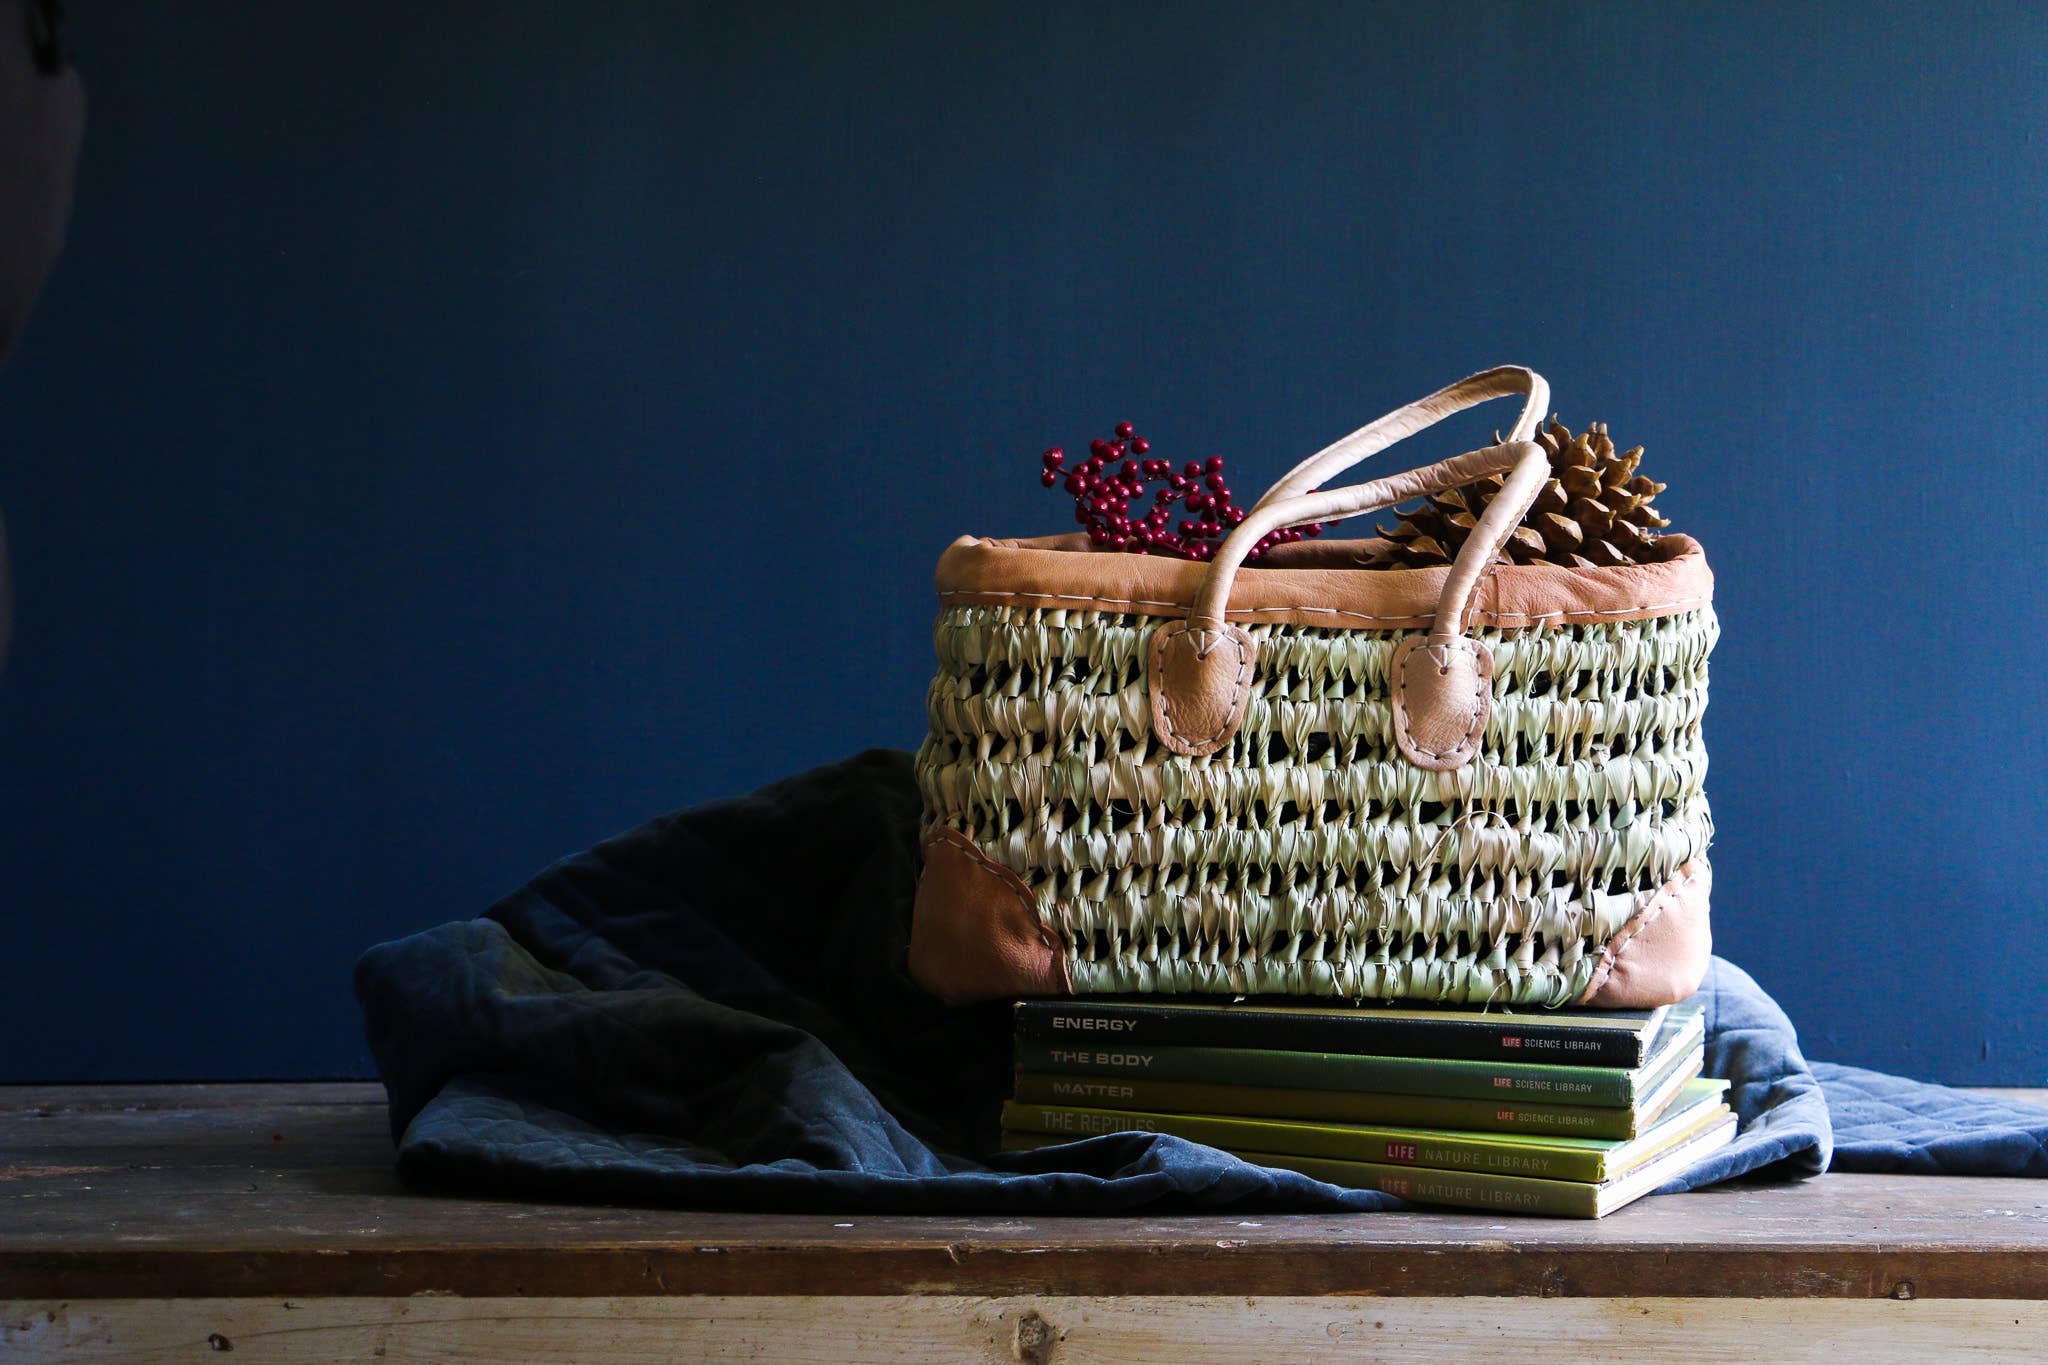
column 1015, row 887
column 1490, row 578
column 1162, row 707
column 1466, row 745
column 1611, row 952
column 1011, row 882
column 1491, row 618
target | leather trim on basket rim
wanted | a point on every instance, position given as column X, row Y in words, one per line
column 1318, row 583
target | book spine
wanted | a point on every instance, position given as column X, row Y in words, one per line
column 1460, row 1189
column 1396, row 1147
column 1336, row 1106
column 1085, row 1022
column 1605, row 1087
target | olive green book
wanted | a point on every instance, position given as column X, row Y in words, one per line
column 1360, row 1106
column 1590, row 1160
column 1678, row 1141
column 1519, row 1194
column 1600, row 1086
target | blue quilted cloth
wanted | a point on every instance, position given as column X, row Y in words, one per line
column 711, row 1010
column 1888, row 1123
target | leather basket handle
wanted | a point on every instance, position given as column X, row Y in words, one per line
column 1441, row 684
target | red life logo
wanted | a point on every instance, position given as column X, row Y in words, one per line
column 1504, row 1115
column 1503, row 1082
column 1395, row 1185
column 1401, row 1151
column 1511, row 1042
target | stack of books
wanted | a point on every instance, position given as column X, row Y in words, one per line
column 1558, row 1113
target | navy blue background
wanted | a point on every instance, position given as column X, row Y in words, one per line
column 458, row 431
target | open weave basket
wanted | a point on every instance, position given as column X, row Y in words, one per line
column 1476, row 784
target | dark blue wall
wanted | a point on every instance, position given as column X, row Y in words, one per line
column 459, row 431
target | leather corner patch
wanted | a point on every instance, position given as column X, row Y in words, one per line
column 1442, row 694
column 975, row 933
column 1201, row 683
column 1660, row 956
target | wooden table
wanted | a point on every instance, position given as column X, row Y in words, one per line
column 176, row 1222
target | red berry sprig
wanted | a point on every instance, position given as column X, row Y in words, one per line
column 1114, row 479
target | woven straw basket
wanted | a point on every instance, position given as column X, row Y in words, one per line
column 1480, row 783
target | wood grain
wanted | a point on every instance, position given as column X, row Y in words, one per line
column 1037, row 1331
column 288, row 1191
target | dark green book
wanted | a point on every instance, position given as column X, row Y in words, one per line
column 1590, row 1160
column 1618, row 1038
column 1355, row 1106
column 1597, row 1086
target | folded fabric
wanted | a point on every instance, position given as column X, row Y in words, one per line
column 711, row 1010
column 1888, row 1123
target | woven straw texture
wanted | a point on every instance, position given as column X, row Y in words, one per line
column 1308, row 858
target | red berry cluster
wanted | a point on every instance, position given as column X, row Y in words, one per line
column 1113, row 479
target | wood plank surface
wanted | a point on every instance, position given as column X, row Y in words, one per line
column 287, row 1191
column 849, row 1330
